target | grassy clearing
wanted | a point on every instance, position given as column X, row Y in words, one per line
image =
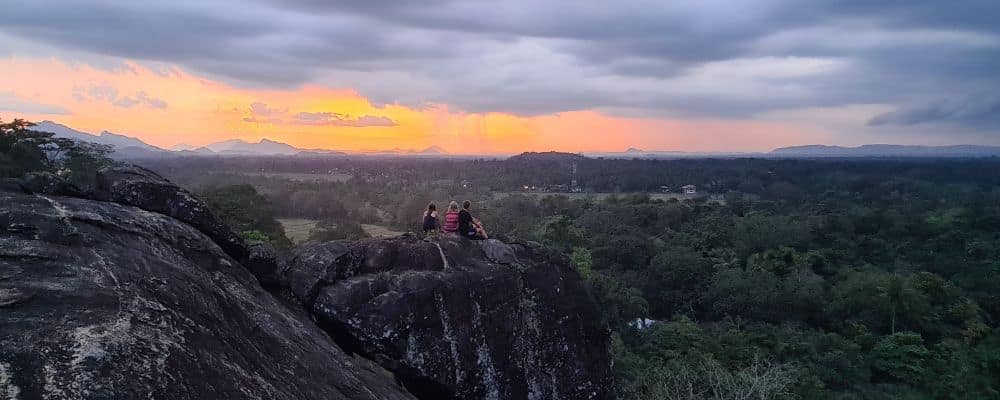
column 378, row 231
column 306, row 177
column 298, row 229
column 595, row 196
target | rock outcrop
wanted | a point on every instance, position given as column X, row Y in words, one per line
column 136, row 186
column 135, row 290
column 104, row 301
column 459, row 319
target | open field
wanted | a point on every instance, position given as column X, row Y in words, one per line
column 595, row 196
column 298, row 229
column 306, row 177
column 378, row 231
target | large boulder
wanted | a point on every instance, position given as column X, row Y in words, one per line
column 136, row 186
column 459, row 319
column 51, row 184
column 104, row 301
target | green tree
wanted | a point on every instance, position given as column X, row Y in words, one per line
column 902, row 357
column 247, row 212
column 560, row 232
column 619, row 303
column 23, row 150
column 899, row 296
column 678, row 277
column 328, row 230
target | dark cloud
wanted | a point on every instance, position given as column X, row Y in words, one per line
column 974, row 111
column 733, row 58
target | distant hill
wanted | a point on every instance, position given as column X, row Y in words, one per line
column 262, row 147
column 124, row 146
column 433, row 150
column 547, row 156
column 105, row 137
column 182, row 147
column 887, row 150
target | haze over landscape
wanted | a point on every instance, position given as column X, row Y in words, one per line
column 507, row 200
column 481, row 77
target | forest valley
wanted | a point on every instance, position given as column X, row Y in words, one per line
column 780, row 279
column 826, row 279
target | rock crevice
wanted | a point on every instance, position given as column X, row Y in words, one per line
column 459, row 319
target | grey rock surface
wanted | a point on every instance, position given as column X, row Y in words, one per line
column 106, row 301
column 48, row 183
column 136, row 186
column 460, row 319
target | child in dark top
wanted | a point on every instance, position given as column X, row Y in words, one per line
column 469, row 226
column 430, row 219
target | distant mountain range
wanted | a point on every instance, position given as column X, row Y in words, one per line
column 124, row 146
column 131, row 147
column 887, row 150
column 433, row 150
column 263, row 147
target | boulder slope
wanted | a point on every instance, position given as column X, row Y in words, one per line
column 459, row 319
column 135, row 290
column 104, row 301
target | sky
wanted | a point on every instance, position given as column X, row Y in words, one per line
column 509, row 76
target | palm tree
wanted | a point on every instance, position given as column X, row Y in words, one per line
column 899, row 296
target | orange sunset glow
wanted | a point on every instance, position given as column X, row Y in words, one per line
column 173, row 106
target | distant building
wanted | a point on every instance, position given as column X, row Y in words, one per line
column 664, row 189
column 690, row 189
column 642, row 323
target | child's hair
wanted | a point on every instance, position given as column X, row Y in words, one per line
column 453, row 206
column 466, row 204
column 431, row 208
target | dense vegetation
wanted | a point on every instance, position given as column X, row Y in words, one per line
column 24, row 151
column 247, row 213
column 835, row 279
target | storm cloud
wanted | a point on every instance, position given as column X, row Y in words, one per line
column 706, row 58
column 981, row 110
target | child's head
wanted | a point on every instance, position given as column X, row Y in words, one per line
column 453, row 206
column 431, row 208
column 466, row 204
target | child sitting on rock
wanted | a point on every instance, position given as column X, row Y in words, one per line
column 451, row 218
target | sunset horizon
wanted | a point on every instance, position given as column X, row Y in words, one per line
column 736, row 77
column 500, row 200
column 740, row 77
